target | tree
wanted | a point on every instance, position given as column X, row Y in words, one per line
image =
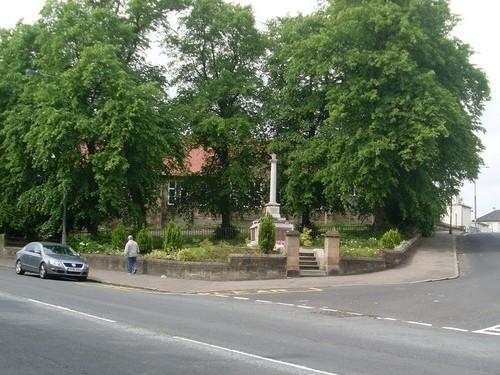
column 219, row 51
column 267, row 233
column 404, row 119
column 89, row 127
column 296, row 108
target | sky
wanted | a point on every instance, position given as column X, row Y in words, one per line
column 479, row 27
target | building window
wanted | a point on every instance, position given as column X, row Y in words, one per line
column 171, row 193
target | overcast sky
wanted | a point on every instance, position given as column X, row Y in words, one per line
column 479, row 27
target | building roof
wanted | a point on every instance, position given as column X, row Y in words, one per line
column 491, row 217
column 192, row 165
column 196, row 159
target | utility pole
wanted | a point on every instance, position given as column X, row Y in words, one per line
column 451, row 216
column 475, row 208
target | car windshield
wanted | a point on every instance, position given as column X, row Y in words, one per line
column 58, row 249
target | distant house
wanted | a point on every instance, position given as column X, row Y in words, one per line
column 492, row 220
column 175, row 188
column 461, row 215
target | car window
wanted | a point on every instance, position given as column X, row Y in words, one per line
column 58, row 249
column 29, row 248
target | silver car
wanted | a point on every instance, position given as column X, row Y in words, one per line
column 51, row 259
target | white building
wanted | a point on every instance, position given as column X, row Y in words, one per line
column 461, row 215
column 492, row 220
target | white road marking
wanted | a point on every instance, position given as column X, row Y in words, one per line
column 353, row 313
column 419, row 323
column 255, row 356
column 284, row 304
column 221, row 295
column 242, row 298
column 327, row 309
column 263, row 301
column 304, row 307
column 71, row 311
column 456, row 329
column 494, row 331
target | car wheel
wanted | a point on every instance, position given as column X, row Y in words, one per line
column 43, row 271
column 19, row 268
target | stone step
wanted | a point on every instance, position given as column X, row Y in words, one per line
column 312, row 273
column 309, row 267
column 307, row 261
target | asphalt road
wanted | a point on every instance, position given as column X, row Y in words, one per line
column 55, row 326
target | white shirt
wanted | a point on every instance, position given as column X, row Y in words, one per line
column 131, row 248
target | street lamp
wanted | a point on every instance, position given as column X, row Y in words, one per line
column 475, row 208
column 451, row 217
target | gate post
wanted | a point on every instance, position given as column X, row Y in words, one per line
column 332, row 253
column 292, row 253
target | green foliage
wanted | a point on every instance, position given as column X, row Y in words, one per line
column 197, row 254
column 295, row 104
column 405, row 110
column 94, row 245
column 391, row 239
column 173, row 237
column 267, row 234
column 211, row 253
column 144, row 241
column 306, row 238
column 80, row 127
column 219, row 49
column 119, row 236
column 359, row 247
column 374, row 97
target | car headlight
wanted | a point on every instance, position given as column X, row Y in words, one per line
column 85, row 265
column 56, row 263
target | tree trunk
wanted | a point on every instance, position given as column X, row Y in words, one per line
column 380, row 219
column 226, row 219
column 306, row 218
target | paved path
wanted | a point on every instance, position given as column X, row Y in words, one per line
column 435, row 259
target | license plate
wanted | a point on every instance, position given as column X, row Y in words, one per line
column 71, row 269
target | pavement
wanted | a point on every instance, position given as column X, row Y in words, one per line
column 435, row 259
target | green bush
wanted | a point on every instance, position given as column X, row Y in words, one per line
column 306, row 238
column 391, row 239
column 194, row 254
column 144, row 241
column 173, row 237
column 119, row 236
column 267, row 234
column 372, row 242
column 160, row 254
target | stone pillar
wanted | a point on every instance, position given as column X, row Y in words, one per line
column 332, row 253
column 274, row 176
column 273, row 207
column 292, row 253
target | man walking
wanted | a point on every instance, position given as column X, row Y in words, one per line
column 131, row 251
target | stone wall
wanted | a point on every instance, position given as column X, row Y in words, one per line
column 357, row 265
column 2, row 243
column 399, row 255
column 238, row 267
